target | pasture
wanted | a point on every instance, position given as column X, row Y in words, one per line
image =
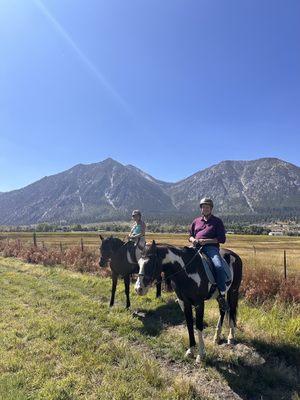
column 255, row 250
column 60, row 340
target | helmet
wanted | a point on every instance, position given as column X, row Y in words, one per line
column 136, row 212
column 207, row 201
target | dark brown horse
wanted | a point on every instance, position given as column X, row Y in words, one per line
column 184, row 267
column 122, row 263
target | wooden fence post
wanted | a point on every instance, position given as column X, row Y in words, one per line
column 61, row 247
column 284, row 264
column 254, row 250
column 43, row 245
column 34, row 239
column 81, row 244
column 19, row 244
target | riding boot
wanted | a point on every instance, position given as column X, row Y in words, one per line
column 223, row 303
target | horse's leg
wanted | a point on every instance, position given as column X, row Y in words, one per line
column 217, row 337
column 158, row 289
column 114, row 278
column 188, row 312
column 168, row 285
column 127, row 283
column 199, row 326
column 233, row 298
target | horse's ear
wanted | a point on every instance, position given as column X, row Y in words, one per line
column 153, row 244
column 101, row 237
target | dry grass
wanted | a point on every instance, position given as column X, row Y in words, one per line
column 262, row 258
column 73, row 258
column 263, row 284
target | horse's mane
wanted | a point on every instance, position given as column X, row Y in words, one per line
column 168, row 245
column 111, row 237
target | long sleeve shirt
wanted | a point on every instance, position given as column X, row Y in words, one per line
column 213, row 228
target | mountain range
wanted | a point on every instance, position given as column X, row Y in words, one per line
column 109, row 190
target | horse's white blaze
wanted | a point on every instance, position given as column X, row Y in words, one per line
column 142, row 262
column 196, row 278
column 139, row 285
column 172, row 258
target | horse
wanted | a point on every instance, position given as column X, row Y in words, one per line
column 122, row 264
column 185, row 268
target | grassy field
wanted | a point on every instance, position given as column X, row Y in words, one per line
column 254, row 250
column 59, row 340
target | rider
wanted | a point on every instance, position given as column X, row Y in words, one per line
column 208, row 231
column 138, row 230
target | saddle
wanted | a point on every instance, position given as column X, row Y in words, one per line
column 132, row 252
column 210, row 273
column 209, row 266
column 135, row 251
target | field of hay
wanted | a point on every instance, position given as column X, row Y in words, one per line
column 255, row 250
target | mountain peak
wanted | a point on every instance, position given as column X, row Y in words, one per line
column 110, row 160
column 109, row 189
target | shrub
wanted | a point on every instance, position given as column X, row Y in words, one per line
column 261, row 284
column 74, row 258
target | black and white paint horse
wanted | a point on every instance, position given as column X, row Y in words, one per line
column 121, row 257
column 184, row 267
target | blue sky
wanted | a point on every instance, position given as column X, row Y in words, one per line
column 169, row 86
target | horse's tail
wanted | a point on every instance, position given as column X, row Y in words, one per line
column 232, row 298
column 233, row 292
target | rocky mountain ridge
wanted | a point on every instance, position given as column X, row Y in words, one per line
column 110, row 190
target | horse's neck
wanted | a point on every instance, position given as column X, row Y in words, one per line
column 117, row 244
column 172, row 270
column 175, row 271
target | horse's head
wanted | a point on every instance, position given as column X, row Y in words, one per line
column 107, row 248
column 149, row 269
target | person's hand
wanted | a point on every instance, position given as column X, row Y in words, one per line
column 195, row 242
column 201, row 242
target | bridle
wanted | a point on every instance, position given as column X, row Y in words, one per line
column 151, row 278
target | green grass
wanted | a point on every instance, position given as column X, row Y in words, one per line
column 60, row 340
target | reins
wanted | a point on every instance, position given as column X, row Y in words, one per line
column 175, row 273
column 186, row 265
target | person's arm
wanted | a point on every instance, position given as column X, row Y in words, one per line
column 130, row 235
column 221, row 236
column 142, row 233
column 192, row 234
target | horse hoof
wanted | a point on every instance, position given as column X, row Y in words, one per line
column 231, row 341
column 200, row 358
column 190, row 353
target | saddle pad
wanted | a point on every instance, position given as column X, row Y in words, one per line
column 209, row 269
column 131, row 253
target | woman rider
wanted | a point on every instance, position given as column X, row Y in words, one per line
column 208, row 232
column 138, row 230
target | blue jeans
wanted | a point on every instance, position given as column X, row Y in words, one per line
column 214, row 254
